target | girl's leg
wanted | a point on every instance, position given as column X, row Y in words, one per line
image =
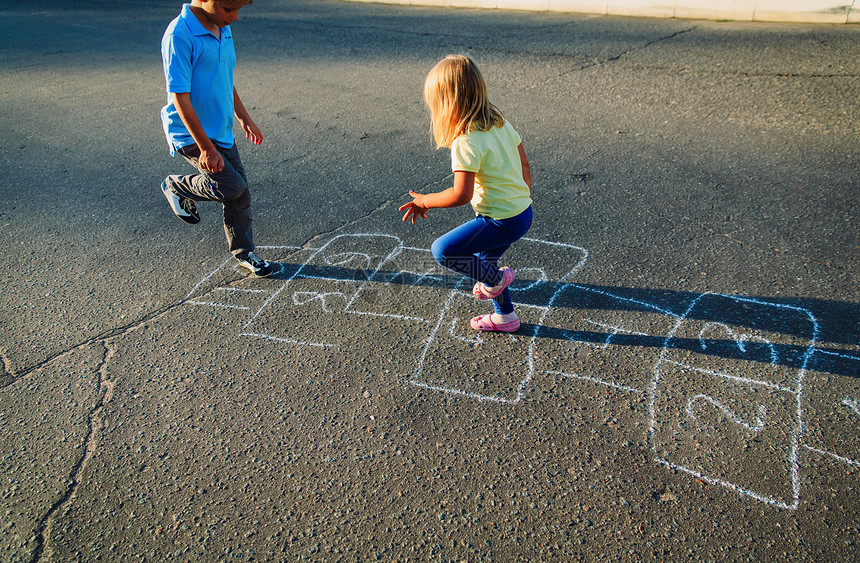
column 502, row 303
column 458, row 250
column 474, row 249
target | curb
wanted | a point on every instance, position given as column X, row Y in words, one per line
column 789, row 11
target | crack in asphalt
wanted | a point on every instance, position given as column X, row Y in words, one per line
column 615, row 58
column 94, row 424
column 102, row 337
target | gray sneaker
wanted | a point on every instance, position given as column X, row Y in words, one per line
column 257, row 265
column 182, row 207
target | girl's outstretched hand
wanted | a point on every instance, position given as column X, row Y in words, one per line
column 414, row 209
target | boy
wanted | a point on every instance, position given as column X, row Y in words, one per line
column 198, row 55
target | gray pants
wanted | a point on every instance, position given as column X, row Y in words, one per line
column 230, row 187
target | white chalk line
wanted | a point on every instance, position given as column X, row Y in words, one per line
column 333, row 259
column 240, row 290
column 833, row 455
column 830, row 353
column 289, row 340
column 282, row 247
column 206, row 278
column 729, row 413
column 740, row 490
column 389, row 316
column 616, row 330
column 477, row 396
column 627, row 299
column 736, row 378
column 218, row 305
column 852, row 404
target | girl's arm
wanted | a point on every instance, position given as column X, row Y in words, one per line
column 248, row 126
column 210, row 158
column 527, row 171
column 459, row 194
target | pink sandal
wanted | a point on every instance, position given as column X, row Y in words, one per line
column 478, row 291
column 481, row 291
column 485, row 323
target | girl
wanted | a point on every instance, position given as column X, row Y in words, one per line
column 491, row 172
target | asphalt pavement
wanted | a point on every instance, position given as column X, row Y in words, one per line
column 686, row 382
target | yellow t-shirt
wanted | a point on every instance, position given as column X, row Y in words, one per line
column 500, row 191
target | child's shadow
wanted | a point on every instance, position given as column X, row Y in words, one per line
column 744, row 312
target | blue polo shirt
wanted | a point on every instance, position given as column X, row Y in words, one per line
column 196, row 61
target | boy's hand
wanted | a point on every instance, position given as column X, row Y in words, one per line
column 211, row 160
column 252, row 131
column 414, row 208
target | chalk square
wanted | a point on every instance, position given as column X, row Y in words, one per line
column 482, row 365
column 831, row 409
column 408, row 286
column 739, row 434
column 309, row 307
column 312, row 312
column 744, row 338
column 597, row 337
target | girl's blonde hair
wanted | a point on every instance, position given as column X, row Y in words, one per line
column 456, row 95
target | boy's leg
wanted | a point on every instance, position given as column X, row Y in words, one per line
column 229, row 187
column 237, row 210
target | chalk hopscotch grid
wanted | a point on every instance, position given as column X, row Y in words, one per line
column 298, row 274
column 797, row 432
column 477, row 396
column 652, row 390
column 530, row 362
column 798, row 429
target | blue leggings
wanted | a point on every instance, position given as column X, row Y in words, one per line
column 474, row 248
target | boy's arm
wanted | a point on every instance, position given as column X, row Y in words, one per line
column 210, row 158
column 248, row 126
